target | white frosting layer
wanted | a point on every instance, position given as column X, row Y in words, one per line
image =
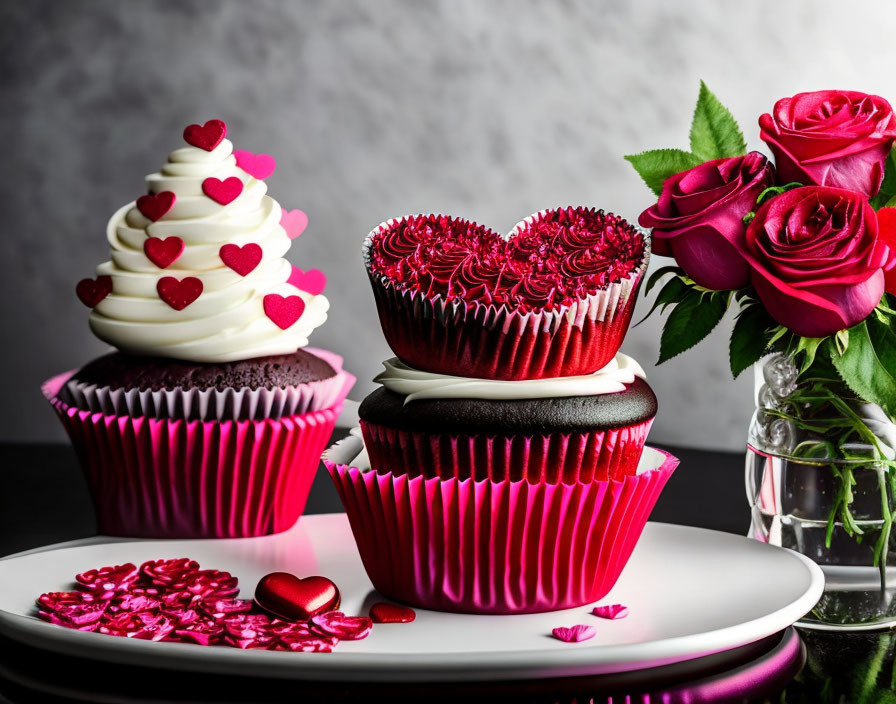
column 227, row 322
column 416, row 385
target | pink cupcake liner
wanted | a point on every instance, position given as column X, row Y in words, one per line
column 495, row 547
column 551, row 458
column 470, row 338
column 174, row 478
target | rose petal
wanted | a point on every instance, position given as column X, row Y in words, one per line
column 336, row 623
column 611, row 611
column 574, row 634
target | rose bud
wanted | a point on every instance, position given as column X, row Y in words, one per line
column 831, row 138
column 816, row 259
column 698, row 218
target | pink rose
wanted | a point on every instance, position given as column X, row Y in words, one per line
column 816, row 259
column 831, row 138
column 698, row 218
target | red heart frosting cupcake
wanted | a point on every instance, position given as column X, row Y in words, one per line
column 554, row 298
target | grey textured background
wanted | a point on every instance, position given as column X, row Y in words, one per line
column 490, row 110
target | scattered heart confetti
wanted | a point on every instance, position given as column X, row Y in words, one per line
column 294, row 599
column 283, row 311
column 242, row 260
column 611, row 611
column 313, row 281
column 207, row 136
column 258, row 166
column 574, row 634
column 168, row 600
column 222, row 192
column 294, row 222
column 179, row 293
column 154, row 206
column 163, row 252
column 383, row 612
column 91, row 291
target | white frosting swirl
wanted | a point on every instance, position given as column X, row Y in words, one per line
column 414, row 384
column 227, row 322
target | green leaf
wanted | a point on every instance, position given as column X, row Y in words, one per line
column 673, row 291
column 690, row 321
column 714, row 132
column 749, row 338
column 868, row 365
column 808, row 345
column 658, row 274
column 886, row 196
column 656, row 165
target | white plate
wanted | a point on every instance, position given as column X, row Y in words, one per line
column 690, row 591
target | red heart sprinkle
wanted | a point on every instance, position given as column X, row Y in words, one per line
column 258, row 166
column 381, row 612
column 179, row 293
column 222, row 192
column 283, row 311
column 294, row 222
column 611, row 611
column 313, row 281
column 163, row 251
column 207, row 136
column 293, row 599
column 154, row 206
column 574, row 634
column 242, row 260
column 92, row 291
column 337, row 624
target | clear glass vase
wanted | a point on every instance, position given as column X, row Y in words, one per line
column 804, row 495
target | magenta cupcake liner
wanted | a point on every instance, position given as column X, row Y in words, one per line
column 173, row 478
column 473, row 339
column 551, row 458
column 495, row 547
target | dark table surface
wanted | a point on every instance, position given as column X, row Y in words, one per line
column 44, row 500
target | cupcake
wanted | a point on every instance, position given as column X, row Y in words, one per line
column 210, row 418
column 503, row 466
column 553, row 299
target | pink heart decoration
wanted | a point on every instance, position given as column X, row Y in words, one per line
column 222, row 192
column 207, row 136
column 91, row 291
column 179, row 293
column 284, row 312
column 611, row 611
column 258, row 166
column 163, row 252
column 574, row 634
column 294, row 222
column 242, row 260
column 154, row 206
column 313, row 281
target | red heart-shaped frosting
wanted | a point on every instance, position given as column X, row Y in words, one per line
column 258, row 166
column 207, row 136
column 155, row 205
column 92, row 291
column 551, row 259
column 313, row 281
column 242, row 260
column 283, row 311
column 222, row 192
column 179, row 293
column 294, row 599
column 294, row 222
column 163, row 251
column 383, row 612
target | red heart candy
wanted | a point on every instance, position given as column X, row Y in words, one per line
column 241, row 259
column 381, row 612
column 283, row 311
column 179, row 293
column 163, row 252
column 294, row 599
column 222, row 192
column 312, row 281
column 91, row 291
column 207, row 136
column 154, row 206
column 294, row 222
column 258, row 166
